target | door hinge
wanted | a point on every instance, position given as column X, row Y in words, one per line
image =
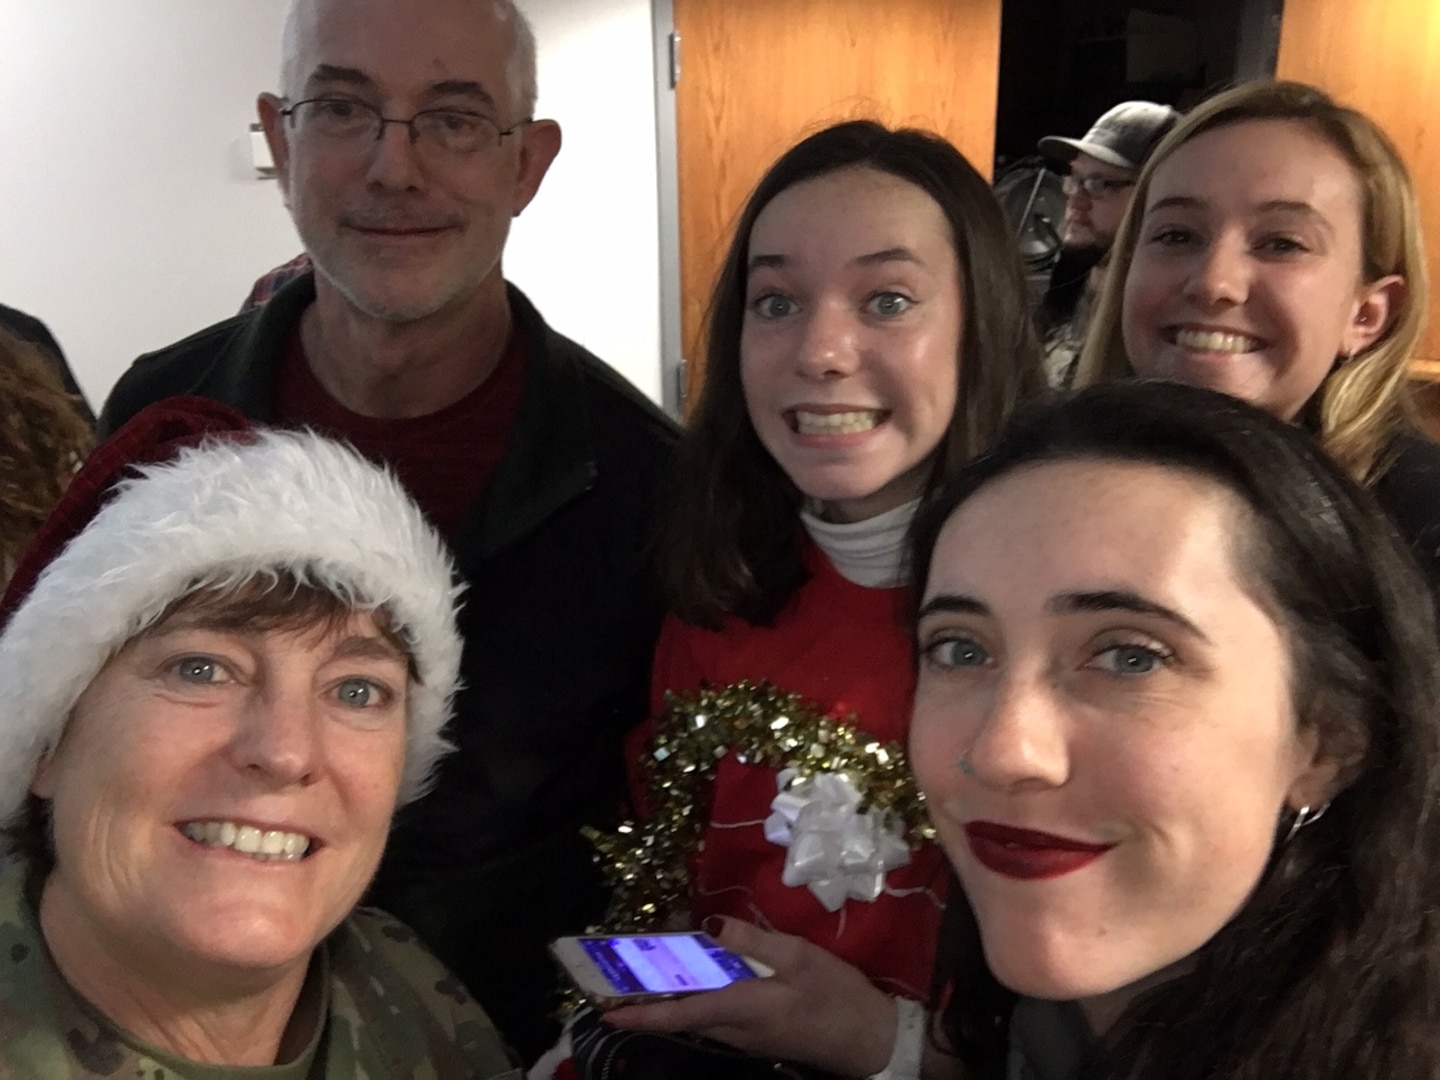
column 674, row 59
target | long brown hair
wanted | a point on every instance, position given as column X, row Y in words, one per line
column 730, row 545
column 1331, row 968
column 43, row 439
column 1364, row 403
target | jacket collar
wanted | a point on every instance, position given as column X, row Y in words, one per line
column 551, row 457
column 246, row 376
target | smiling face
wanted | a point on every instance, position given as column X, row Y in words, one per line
column 405, row 229
column 221, row 798
column 851, row 339
column 1122, row 705
column 1247, row 273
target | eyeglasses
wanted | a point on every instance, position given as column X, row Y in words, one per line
column 344, row 120
column 1096, row 187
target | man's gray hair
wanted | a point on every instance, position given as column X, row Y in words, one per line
column 520, row 70
column 522, row 61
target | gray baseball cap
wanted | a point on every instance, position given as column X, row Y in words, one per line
column 1123, row 137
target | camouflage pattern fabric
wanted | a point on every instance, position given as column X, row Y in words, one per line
column 391, row 1013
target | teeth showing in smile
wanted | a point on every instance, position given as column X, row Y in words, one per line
column 271, row 846
column 845, row 423
column 1215, row 341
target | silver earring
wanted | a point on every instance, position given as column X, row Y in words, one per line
column 1304, row 816
column 964, row 765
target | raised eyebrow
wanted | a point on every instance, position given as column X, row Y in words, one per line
column 888, row 255
column 895, row 254
column 758, row 262
column 951, row 604
column 1122, row 600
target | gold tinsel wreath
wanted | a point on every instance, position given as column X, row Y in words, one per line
column 648, row 863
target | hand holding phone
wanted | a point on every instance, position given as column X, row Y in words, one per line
column 814, row 1008
column 631, row 969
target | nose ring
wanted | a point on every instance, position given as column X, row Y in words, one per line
column 964, row 765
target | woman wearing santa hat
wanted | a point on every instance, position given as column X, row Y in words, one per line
column 226, row 659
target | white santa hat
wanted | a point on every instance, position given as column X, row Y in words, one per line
column 189, row 496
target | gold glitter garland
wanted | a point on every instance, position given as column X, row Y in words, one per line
column 648, row 863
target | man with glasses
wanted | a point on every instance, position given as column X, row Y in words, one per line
column 1102, row 168
column 405, row 141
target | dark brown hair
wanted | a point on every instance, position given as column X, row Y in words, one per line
column 729, row 544
column 43, row 439
column 1332, row 966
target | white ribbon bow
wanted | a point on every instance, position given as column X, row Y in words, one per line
column 835, row 850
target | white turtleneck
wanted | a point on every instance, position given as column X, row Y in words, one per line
column 869, row 552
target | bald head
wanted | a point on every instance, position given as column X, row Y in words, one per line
column 303, row 18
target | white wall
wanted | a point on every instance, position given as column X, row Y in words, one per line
column 587, row 250
column 130, row 216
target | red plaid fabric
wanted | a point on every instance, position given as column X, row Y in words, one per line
column 269, row 284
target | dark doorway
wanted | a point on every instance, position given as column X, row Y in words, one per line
column 1064, row 62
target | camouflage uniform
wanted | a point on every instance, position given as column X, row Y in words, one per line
column 391, row 1013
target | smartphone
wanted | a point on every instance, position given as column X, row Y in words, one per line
column 629, row 969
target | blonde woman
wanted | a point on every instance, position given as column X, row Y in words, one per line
column 1273, row 252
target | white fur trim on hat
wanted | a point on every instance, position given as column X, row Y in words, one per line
column 222, row 513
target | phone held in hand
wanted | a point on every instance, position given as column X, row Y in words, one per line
column 630, row 969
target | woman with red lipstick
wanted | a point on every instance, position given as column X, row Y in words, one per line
column 1175, row 722
column 1273, row 252
column 868, row 334
column 226, row 658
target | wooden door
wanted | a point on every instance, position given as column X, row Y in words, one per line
column 757, row 75
column 1384, row 59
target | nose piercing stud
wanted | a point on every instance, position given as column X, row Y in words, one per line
column 964, row 765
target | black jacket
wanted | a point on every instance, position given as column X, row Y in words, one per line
column 559, row 621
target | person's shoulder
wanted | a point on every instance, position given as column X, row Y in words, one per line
column 1414, row 449
column 1411, row 473
column 394, row 995
column 173, row 370
column 231, row 361
column 616, row 395
column 201, row 344
column 31, row 1042
column 611, row 398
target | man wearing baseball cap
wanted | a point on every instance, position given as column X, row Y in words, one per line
column 1103, row 166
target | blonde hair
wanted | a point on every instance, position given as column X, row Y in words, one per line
column 1365, row 402
column 43, row 438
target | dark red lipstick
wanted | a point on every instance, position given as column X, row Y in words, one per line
column 1028, row 855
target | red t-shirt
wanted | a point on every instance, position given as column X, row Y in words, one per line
column 444, row 459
